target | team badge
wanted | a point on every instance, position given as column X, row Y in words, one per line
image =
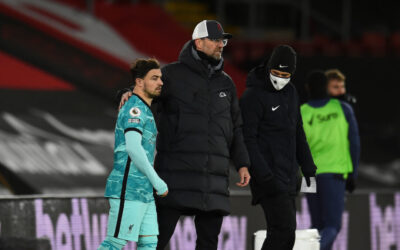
column 134, row 112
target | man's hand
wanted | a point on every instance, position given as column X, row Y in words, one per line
column 124, row 98
column 308, row 181
column 244, row 177
column 308, row 174
column 350, row 184
column 164, row 194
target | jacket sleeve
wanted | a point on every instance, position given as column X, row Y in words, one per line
column 238, row 149
column 354, row 137
column 303, row 153
column 252, row 111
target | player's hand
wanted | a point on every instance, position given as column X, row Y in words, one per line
column 350, row 184
column 164, row 194
column 244, row 177
column 124, row 98
column 308, row 181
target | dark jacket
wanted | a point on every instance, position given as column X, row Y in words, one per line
column 274, row 135
column 199, row 134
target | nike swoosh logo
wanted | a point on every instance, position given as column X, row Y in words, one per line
column 282, row 66
column 275, row 108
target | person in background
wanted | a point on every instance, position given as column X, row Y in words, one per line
column 275, row 140
column 200, row 137
column 332, row 133
column 336, row 86
column 130, row 184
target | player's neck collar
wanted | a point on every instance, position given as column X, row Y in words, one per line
column 142, row 100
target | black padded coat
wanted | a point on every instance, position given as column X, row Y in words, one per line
column 274, row 135
column 199, row 134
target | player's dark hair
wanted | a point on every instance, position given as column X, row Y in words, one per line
column 140, row 67
column 316, row 84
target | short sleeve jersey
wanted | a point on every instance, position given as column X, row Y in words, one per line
column 125, row 180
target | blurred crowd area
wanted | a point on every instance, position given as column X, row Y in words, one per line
column 346, row 28
column 85, row 48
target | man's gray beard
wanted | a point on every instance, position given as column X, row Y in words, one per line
column 217, row 57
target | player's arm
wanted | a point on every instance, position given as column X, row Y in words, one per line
column 353, row 135
column 136, row 152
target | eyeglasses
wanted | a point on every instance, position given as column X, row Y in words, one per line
column 224, row 41
column 281, row 74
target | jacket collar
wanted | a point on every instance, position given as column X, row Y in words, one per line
column 190, row 57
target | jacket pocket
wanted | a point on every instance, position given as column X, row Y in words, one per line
column 221, row 102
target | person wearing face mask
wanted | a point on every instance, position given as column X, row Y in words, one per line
column 275, row 139
column 332, row 133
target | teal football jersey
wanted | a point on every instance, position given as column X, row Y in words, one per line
column 125, row 180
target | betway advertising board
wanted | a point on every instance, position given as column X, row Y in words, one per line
column 371, row 221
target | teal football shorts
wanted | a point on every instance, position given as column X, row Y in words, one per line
column 132, row 219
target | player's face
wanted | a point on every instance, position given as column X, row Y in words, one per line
column 336, row 87
column 152, row 83
column 212, row 48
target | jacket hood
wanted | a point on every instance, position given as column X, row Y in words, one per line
column 190, row 57
column 259, row 78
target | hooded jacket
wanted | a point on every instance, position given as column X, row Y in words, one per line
column 274, row 134
column 199, row 134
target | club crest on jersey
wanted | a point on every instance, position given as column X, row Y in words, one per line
column 134, row 112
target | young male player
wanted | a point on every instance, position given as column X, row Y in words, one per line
column 130, row 185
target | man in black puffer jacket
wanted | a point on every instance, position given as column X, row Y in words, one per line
column 200, row 134
column 200, row 137
column 276, row 143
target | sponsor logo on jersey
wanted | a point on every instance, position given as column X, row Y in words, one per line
column 134, row 120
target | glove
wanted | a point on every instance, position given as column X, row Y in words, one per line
column 308, row 174
column 308, row 181
column 350, row 184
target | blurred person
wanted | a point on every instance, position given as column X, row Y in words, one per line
column 200, row 134
column 332, row 133
column 336, row 86
column 273, row 133
column 130, row 184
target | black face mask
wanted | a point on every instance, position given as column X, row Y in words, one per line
column 347, row 97
column 208, row 59
column 341, row 97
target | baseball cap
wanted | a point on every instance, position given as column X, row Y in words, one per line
column 210, row 29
